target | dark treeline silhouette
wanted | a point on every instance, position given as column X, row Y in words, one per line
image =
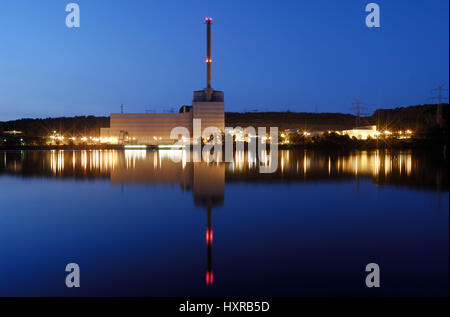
column 418, row 118
column 287, row 120
column 421, row 119
column 336, row 142
column 70, row 126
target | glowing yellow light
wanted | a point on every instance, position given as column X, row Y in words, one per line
column 109, row 140
column 135, row 146
column 170, row 146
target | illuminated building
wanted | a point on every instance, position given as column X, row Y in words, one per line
column 155, row 128
column 14, row 132
column 362, row 133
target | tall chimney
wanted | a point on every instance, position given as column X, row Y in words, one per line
column 208, row 52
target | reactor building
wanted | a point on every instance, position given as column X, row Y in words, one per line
column 155, row 128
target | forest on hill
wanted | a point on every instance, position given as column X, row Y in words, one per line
column 418, row 118
column 77, row 126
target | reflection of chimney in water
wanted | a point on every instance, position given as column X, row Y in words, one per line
column 208, row 188
column 209, row 241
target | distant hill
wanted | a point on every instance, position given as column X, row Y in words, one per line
column 77, row 126
column 418, row 118
column 287, row 120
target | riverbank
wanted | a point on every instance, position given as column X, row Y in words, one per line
column 60, row 147
column 321, row 145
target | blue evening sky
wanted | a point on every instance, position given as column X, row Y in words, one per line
column 314, row 55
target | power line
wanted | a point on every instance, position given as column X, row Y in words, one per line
column 357, row 106
column 439, row 89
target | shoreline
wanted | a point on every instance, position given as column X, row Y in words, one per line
column 360, row 146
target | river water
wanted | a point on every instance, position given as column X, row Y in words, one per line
column 140, row 224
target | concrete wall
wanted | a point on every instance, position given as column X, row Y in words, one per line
column 211, row 113
column 155, row 128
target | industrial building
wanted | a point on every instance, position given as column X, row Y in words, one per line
column 155, row 128
column 362, row 133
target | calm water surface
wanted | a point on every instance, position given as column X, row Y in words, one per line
column 139, row 224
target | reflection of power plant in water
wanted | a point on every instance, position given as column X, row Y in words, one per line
column 207, row 182
column 415, row 170
column 208, row 189
column 209, row 242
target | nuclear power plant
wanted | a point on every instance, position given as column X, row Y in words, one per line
column 155, row 128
